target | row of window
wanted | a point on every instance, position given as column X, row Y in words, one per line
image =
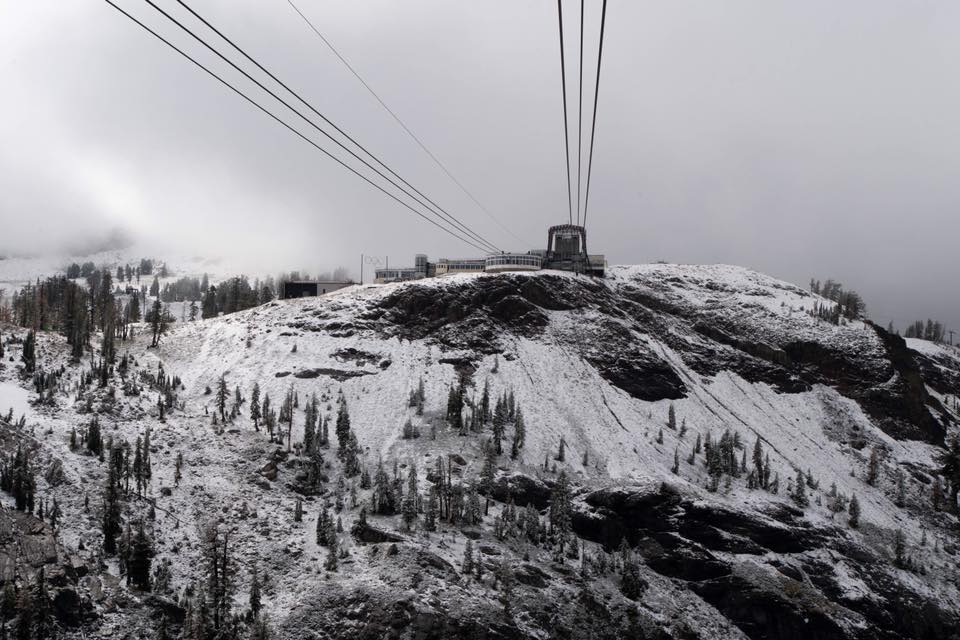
column 514, row 259
column 464, row 266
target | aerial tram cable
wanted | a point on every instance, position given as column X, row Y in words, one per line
column 580, row 115
column 390, row 111
column 289, row 127
column 450, row 216
column 566, row 132
column 440, row 211
column 593, row 126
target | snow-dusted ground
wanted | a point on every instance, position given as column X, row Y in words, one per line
column 561, row 395
column 14, row 398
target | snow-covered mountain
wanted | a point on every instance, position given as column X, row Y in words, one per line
column 597, row 367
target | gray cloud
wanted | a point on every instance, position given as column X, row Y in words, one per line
column 800, row 139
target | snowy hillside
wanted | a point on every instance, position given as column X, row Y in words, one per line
column 597, row 368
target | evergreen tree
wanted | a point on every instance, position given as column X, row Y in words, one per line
column 133, row 309
column 22, row 483
column 519, row 435
column 455, row 409
column 351, row 456
column 671, row 418
column 111, row 523
column 384, row 501
column 499, row 424
column 758, row 459
column 900, row 549
column 873, row 468
column 219, row 576
column 950, row 469
column 255, row 599
column 901, row 498
column 41, row 612
column 430, row 513
column 409, row 507
column 854, row 511
column 467, row 566
column 158, row 322
column 799, row 494
column 310, row 426
column 632, row 585
column 332, row 550
column 29, row 352
column 222, row 394
column 937, row 494
column 489, row 472
column 507, row 582
column 343, row 423
column 140, row 557
column 560, row 508
column 177, row 473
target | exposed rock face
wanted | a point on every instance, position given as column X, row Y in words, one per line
column 612, row 317
column 28, row 545
column 773, row 575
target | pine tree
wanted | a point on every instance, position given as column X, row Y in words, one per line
column 799, row 494
column 255, row 413
column 873, row 467
column 671, row 418
column 519, row 436
column 40, row 614
column 758, row 458
column 332, row 551
column 467, row 566
column 383, row 497
column 676, row 461
column 937, row 493
column 489, row 472
column 561, row 454
column 222, row 394
column 950, row 469
column 507, row 582
column 409, row 507
column 343, row 423
column 854, row 511
column 140, row 557
column 177, row 473
column 351, row 456
column 138, row 465
column 900, row 549
column 632, row 585
column 560, row 509
column 901, row 498
column 110, row 524
column 29, row 352
column 158, row 322
column 430, row 513
column 310, row 426
column 255, row 598
column 660, row 437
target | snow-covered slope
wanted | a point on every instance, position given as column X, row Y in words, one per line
column 597, row 366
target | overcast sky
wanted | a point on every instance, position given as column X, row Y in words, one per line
column 797, row 138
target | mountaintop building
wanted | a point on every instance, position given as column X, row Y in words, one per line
column 310, row 288
column 566, row 251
